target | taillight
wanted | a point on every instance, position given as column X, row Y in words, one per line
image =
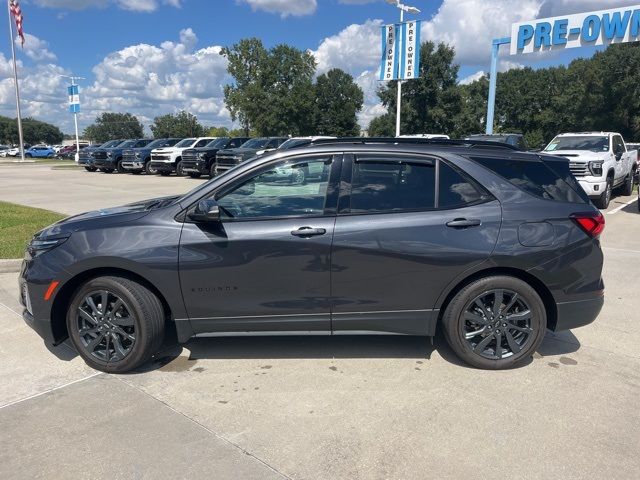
column 591, row 222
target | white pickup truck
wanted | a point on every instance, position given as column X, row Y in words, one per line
column 600, row 162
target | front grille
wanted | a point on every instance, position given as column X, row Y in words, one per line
column 579, row 169
column 190, row 157
column 160, row 157
column 100, row 155
column 129, row 157
column 227, row 160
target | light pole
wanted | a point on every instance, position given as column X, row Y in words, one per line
column 403, row 8
column 73, row 79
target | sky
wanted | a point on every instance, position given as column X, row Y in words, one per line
column 151, row 57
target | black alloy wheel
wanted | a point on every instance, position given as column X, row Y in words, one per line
column 497, row 324
column 105, row 326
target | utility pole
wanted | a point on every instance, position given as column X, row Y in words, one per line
column 73, row 79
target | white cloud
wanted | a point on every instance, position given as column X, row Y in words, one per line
column 36, row 49
column 132, row 5
column 472, row 78
column 285, row 8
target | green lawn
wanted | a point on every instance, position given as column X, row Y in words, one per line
column 18, row 224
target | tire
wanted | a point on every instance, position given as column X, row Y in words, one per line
column 120, row 168
column 90, row 169
column 179, row 171
column 195, row 175
column 629, row 183
column 603, row 201
column 165, row 174
column 144, row 324
column 107, row 170
column 27, row 155
column 148, row 169
column 527, row 335
column 212, row 171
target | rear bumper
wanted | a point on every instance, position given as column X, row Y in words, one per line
column 578, row 314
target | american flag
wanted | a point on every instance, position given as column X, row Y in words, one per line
column 14, row 8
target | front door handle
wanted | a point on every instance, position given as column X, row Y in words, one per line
column 464, row 223
column 306, row 232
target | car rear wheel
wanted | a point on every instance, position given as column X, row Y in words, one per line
column 495, row 323
column 115, row 324
column 90, row 169
column 629, row 183
column 602, row 202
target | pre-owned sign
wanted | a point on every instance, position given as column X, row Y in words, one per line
column 604, row 27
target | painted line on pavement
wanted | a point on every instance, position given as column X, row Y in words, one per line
column 50, row 390
column 10, row 309
column 616, row 210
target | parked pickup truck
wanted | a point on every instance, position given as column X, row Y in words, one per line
column 168, row 160
column 138, row 160
column 227, row 159
column 85, row 158
column 202, row 161
column 600, row 161
column 110, row 159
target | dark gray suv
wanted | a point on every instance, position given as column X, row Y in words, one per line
column 492, row 245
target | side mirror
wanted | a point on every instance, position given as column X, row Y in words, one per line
column 206, row 211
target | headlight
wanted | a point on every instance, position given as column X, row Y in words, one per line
column 138, row 155
column 39, row 246
column 201, row 156
column 596, row 168
column 109, row 154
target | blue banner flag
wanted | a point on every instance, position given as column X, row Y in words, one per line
column 400, row 51
column 74, row 98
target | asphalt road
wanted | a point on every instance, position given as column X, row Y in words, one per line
column 320, row 407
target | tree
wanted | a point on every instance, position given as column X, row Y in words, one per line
column 273, row 90
column 113, row 126
column 431, row 102
column 182, row 124
column 338, row 100
column 34, row 131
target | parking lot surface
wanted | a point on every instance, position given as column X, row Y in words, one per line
column 319, row 407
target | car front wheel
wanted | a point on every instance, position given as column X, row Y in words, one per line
column 495, row 323
column 115, row 324
column 149, row 170
column 629, row 183
column 90, row 169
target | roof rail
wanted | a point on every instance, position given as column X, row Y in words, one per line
column 413, row 141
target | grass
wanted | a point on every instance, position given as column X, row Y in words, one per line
column 18, row 224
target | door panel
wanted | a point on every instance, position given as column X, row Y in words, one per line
column 257, row 276
column 388, row 270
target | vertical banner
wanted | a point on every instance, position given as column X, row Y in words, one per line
column 74, row 98
column 410, row 51
column 389, row 64
column 400, row 51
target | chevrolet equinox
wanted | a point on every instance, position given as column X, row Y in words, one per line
column 339, row 237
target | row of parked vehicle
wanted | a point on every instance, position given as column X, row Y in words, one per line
column 183, row 156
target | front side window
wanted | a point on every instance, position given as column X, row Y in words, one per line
column 295, row 189
column 392, row 186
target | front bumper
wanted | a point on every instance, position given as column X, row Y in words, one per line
column 195, row 166
column 133, row 164
column 593, row 188
column 103, row 163
column 163, row 166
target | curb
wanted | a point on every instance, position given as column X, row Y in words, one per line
column 10, row 266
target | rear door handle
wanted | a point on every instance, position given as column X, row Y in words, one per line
column 464, row 223
column 306, row 232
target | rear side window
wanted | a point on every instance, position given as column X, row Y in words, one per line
column 534, row 177
column 455, row 190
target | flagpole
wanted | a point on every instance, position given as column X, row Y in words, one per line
column 15, row 79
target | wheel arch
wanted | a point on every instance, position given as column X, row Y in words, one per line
column 539, row 286
column 63, row 298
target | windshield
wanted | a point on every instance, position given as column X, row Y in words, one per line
column 294, row 142
column 219, row 143
column 489, row 138
column 187, row 142
column 110, row 144
column 255, row 143
column 595, row 144
column 141, row 143
column 127, row 144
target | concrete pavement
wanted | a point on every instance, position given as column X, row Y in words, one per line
column 328, row 407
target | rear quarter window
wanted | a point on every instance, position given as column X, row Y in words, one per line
column 536, row 178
